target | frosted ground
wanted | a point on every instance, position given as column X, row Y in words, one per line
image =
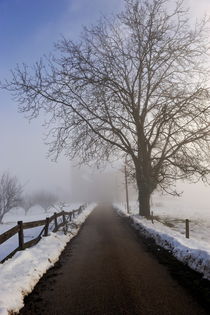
column 173, row 213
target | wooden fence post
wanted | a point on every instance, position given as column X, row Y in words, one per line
column 46, row 227
column 187, row 225
column 55, row 221
column 20, row 235
column 64, row 219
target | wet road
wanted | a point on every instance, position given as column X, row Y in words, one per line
column 106, row 270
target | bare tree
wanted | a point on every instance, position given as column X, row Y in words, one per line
column 10, row 194
column 134, row 85
column 60, row 206
column 45, row 199
column 27, row 201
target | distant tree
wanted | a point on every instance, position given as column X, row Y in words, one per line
column 135, row 86
column 59, row 206
column 10, row 193
column 45, row 199
column 27, row 201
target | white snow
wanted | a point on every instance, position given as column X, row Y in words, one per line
column 19, row 275
column 18, row 214
column 195, row 251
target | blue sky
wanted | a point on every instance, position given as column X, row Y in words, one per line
column 28, row 29
column 20, row 23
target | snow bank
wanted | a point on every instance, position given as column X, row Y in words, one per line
column 194, row 253
column 19, row 275
column 18, row 214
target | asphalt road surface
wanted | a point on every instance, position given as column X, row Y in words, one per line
column 106, row 270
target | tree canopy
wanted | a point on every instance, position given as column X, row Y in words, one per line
column 136, row 85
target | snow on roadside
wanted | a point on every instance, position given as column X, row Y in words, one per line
column 19, row 275
column 18, row 214
column 194, row 253
column 35, row 213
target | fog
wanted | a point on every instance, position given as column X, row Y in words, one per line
column 109, row 185
column 22, row 149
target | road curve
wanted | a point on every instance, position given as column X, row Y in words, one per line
column 105, row 270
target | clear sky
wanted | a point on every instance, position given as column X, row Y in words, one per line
column 28, row 29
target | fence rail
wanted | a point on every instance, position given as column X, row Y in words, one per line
column 59, row 220
column 187, row 223
column 8, row 234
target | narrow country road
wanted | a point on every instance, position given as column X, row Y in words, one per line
column 106, row 270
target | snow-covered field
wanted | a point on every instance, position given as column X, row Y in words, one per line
column 18, row 214
column 169, row 231
column 173, row 214
column 19, row 275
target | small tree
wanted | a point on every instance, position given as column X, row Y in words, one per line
column 27, row 202
column 135, row 86
column 45, row 199
column 10, row 194
column 60, row 206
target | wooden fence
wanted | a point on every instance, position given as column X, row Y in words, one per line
column 53, row 223
column 187, row 224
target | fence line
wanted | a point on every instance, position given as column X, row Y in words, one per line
column 57, row 220
column 187, row 223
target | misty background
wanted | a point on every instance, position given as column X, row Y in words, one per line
column 29, row 29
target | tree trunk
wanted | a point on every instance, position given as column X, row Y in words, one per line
column 144, row 181
column 144, row 193
column 144, row 202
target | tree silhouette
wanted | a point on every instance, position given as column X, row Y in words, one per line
column 135, row 85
